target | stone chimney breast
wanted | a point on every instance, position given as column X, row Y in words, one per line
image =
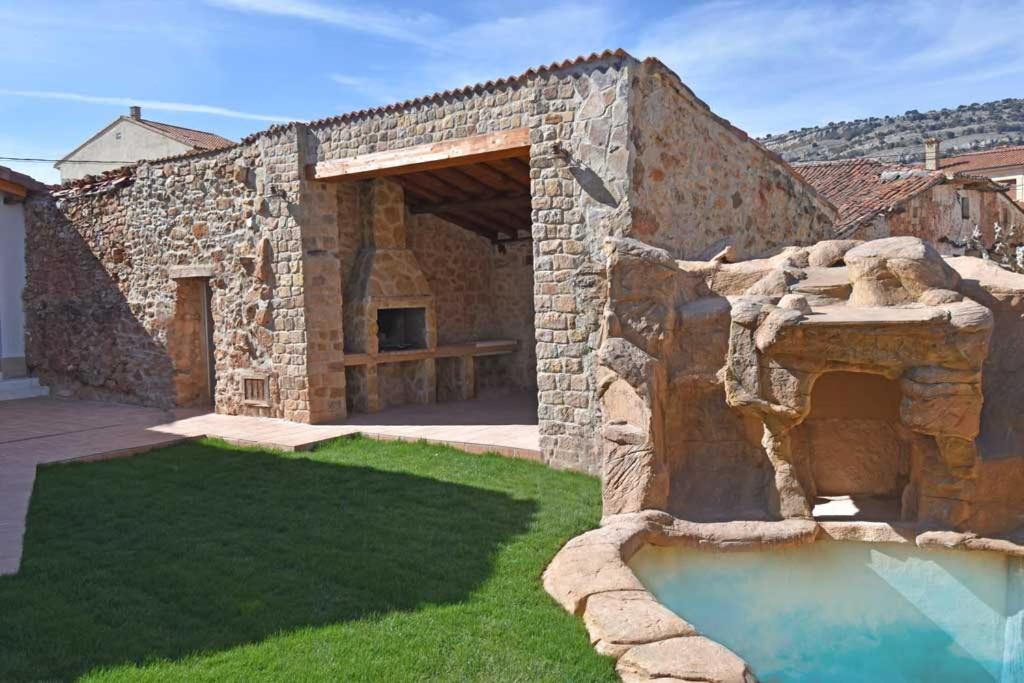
column 135, row 113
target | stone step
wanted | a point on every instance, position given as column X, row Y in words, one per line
column 21, row 387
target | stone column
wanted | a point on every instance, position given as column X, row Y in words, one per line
column 322, row 297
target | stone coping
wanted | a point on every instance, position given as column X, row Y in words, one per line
column 590, row 577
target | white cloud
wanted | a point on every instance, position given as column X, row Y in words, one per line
column 404, row 27
column 147, row 104
column 376, row 91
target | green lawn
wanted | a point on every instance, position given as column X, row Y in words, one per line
column 360, row 561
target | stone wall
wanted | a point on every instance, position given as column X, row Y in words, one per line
column 698, row 184
column 936, row 216
column 617, row 148
column 577, row 199
column 512, row 299
column 100, row 299
column 457, row 264
column 481, row 291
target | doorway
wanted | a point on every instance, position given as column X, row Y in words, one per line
column 190, row 344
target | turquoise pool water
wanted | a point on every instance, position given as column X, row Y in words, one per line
column 847, row 612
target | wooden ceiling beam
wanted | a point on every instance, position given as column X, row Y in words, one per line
column 489, row 146
column 499, row 222
column 470, row 224
column 13, row 189
column 464, row 181
column 519, row 201
column 511, row 175
column 493, row 178
column 433, row 183
column 416, row 191
column 517, row 169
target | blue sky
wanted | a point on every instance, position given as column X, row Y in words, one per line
column 236, row 66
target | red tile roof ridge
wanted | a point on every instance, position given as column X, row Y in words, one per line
column 200, row 139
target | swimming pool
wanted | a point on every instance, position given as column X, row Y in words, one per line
column 850, row 611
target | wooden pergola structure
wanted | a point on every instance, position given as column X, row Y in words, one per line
column 480, row 183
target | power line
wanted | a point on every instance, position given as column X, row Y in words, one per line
column 66, row 161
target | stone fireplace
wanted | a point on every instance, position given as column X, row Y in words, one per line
column 389, row 308
column 401, row 329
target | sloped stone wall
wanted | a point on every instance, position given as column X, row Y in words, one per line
column 100, row 299
column 699, row 185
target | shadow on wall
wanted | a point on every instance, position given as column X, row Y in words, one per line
column 83, row 337
column 200, row 548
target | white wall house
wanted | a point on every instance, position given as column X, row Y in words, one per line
column 1005, row 165
column 14, row 383
column 131, row 138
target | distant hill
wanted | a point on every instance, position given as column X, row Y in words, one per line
column 968, row 128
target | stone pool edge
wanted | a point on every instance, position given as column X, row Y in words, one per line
column 590, row 577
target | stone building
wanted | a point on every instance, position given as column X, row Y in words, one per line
column 877, row 199
column 418, row 252
column 128, row 139
column 1005, row 165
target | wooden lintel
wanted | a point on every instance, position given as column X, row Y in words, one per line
column 13, row 189
column 489, row 146
column 495, row 347
column 505, row 202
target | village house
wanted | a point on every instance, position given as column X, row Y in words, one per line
column 128, row 139
column 1005, row 165
column 14, row 190
column 877, row 199
column 424, row 251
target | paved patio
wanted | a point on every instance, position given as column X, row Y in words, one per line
column 40, row 431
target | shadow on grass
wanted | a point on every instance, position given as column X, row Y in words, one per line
column 200, row 548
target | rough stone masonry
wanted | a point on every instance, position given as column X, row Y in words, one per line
column 618, row 148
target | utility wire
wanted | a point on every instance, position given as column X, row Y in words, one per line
column 66, row 161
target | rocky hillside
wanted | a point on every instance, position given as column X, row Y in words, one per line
column 968, row 128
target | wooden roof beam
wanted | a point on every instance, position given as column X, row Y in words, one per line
column 499, row 145
column 13, row 189
column 519, row 201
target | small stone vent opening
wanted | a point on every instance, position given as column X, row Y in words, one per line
column 857, row 448
column 254, row 391
column 401, row 329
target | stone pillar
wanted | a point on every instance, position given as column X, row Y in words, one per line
column 322, row 288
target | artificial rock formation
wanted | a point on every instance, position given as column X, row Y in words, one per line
column 746, row 390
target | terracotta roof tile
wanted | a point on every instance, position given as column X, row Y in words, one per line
column 864, row 188
column 992, row 158
column 197, row 139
